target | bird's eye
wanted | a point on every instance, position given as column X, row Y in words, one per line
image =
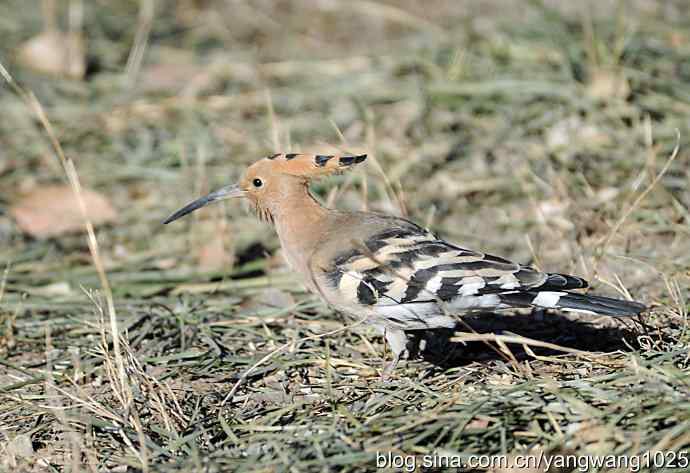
column 258, row 182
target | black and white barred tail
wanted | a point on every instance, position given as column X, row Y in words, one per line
column 569, row 301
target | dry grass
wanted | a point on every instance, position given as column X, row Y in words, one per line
column 538, row 131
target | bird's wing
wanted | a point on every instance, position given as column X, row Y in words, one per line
column 406, row 269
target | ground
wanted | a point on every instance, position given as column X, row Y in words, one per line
column 540, row 131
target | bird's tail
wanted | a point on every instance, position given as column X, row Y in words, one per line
column 569, row 301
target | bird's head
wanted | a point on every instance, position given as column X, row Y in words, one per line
column 270, row 179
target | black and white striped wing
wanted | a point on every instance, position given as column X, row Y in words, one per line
column 408, row 275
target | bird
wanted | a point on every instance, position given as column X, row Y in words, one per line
column 386, row 270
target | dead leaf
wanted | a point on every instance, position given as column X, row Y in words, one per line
column 49, row 211
column 478, row 424
column 606, row 83
column 168, row 77
column 54, row 52
column 677, row 39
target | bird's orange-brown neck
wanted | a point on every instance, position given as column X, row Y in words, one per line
column 300, row 222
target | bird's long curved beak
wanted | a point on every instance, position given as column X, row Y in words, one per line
column 227, row 192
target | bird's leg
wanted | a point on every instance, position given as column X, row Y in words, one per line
column 397, row 341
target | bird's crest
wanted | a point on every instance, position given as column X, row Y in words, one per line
column 312, row 165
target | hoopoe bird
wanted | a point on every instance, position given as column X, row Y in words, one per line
column 387, row 270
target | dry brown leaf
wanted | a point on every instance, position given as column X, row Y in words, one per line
column 49, row 211
column 168, row 77
column 55, row 52
column 677, row 39
column 478, row 424
column 606, row 83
